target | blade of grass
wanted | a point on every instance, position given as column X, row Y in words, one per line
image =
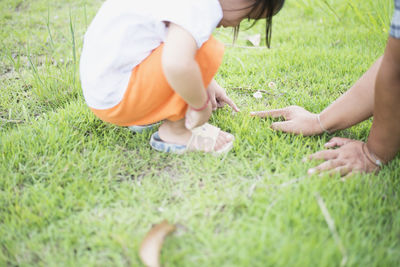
column 48, row 27
column 71, row 27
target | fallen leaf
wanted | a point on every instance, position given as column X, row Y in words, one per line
column 254, row 39
column 151, row 245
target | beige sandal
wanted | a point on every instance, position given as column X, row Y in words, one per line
column 203, row 138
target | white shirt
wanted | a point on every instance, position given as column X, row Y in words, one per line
column 123, row 34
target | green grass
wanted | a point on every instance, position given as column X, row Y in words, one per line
column 75, row 191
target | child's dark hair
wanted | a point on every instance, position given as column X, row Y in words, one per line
column 261, row 8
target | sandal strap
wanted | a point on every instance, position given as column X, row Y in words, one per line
column 203, row 138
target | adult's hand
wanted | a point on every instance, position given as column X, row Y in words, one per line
column 351, row 157
column 297, row 120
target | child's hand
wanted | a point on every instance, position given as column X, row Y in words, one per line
column 219, row 98
column 195, row 118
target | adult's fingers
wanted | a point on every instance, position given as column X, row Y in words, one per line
column 273, row 113
column 326, row 166
column 284, row 126
column 349, row 175
column 337, row 142
column 324, row 154
column 343, row 170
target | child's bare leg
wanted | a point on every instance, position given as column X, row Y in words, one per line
column 175, row 132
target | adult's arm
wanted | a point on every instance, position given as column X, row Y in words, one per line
column 354, row 106
column 384, row 138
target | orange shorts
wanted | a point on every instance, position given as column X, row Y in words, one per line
column 149, row 98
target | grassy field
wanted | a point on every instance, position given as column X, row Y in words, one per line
column 75, row 191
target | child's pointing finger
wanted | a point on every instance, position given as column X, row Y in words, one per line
column 229, row 101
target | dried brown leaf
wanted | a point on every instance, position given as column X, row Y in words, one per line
column 151, row 245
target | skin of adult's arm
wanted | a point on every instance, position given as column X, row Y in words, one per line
column 354, row 106
column 384, row 138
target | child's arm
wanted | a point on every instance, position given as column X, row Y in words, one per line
column 183, row 73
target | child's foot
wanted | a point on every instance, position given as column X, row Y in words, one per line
column 200, row 139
